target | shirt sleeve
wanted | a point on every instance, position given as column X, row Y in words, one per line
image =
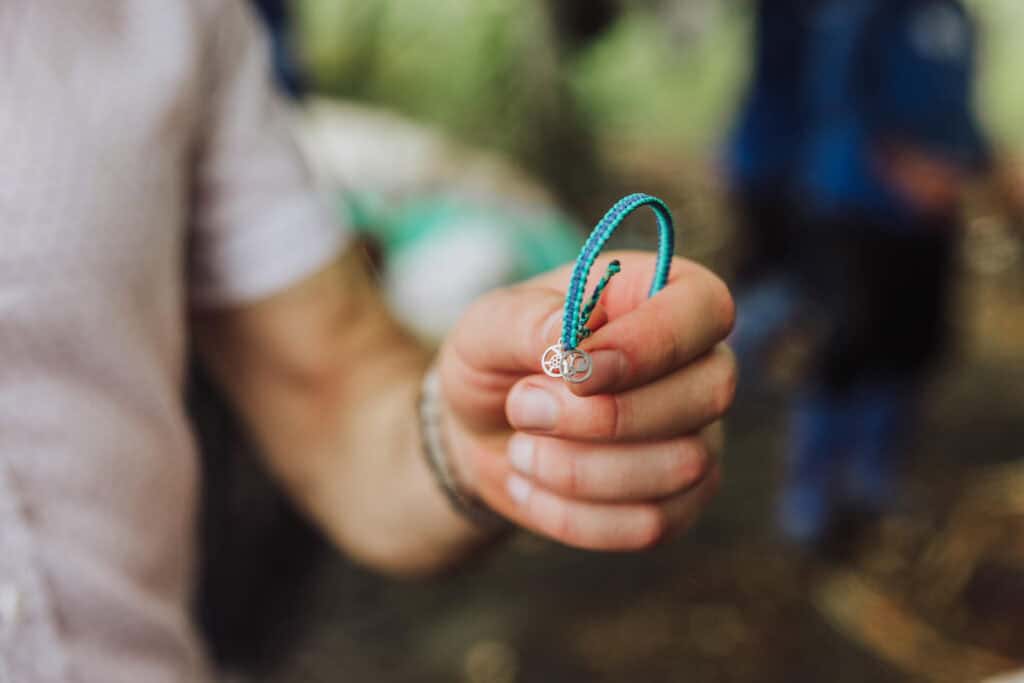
column 258, row 224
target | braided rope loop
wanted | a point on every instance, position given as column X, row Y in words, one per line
column 576, row 315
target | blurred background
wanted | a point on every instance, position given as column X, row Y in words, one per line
column 870, row 220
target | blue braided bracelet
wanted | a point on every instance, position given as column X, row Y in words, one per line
column 564, row 359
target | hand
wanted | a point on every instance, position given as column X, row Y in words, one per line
column 929, row 184
column 626, row 459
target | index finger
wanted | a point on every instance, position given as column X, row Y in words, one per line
column 648, row 338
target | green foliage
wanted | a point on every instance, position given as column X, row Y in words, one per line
column 491, row 70
column 484, row 68
column 1001, row 92
column 642, row 81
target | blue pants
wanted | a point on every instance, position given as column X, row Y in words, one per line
column 764, row 312
column 844, row 448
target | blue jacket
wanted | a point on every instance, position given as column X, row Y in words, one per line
column 761, row 151
column 835, row 79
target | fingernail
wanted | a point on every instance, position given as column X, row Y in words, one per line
column 534, row 408
column 520, row 453
column 519, row 489
column 607, row 368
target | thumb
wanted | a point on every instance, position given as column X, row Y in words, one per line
column 498, row 341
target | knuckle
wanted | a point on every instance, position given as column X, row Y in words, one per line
column 651, row 344
column 725, row 388
column 547, row 324
column 691, row 465
column 562, row 525
column 544, row 321
column 668, row 346
column 539, row 322
column 609, row 416
column 723, row 306
column 483, row 306
column 578, row 478
column 590, row 481
column 555, row 471
column 621, row 417
column 572, row 532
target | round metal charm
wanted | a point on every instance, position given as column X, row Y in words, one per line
column 577, row 366
column 551, row 361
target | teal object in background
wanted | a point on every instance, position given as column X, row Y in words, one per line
column 441, row 252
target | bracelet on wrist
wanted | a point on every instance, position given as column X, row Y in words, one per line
column 437, row 455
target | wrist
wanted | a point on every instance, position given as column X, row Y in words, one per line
column 449, row 474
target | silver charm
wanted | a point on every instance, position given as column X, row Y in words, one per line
column 574, row 366
column 551, row 361
column 577, row 366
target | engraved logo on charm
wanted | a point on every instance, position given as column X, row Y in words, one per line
column 577, row 366
column 551, row 361
column 574, row 366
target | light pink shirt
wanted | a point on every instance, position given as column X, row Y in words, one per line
column 144, row 168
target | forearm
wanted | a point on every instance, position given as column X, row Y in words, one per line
column 336, row 416
column 364, row 478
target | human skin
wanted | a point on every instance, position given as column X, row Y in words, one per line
column 328, row 383
column 928, row 183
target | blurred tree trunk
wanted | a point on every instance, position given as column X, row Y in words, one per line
column 577, row 22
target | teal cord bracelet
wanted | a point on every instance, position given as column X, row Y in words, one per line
column 564, row 359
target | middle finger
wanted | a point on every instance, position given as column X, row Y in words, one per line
column 610, row 472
